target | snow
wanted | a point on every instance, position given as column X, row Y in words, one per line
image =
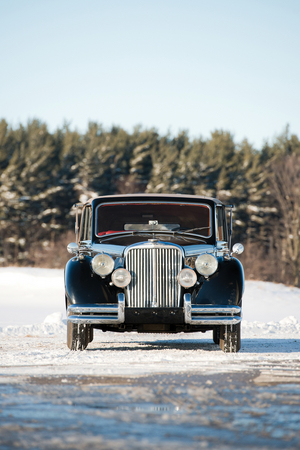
column 264, row 301
column 33, row 334
column 28, row 295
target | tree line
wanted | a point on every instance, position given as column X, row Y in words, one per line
column 42, row 174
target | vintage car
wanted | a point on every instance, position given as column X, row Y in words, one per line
column 154, row 264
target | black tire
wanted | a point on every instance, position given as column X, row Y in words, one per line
column 77, row 336
column 216, row 335
column 90, row 331
column 230, row 338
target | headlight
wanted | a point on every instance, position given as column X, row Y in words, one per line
column 103, row 264
column 206, row 264
column 187, row 278
column 121, row 277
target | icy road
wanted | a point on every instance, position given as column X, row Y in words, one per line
column 145, row 391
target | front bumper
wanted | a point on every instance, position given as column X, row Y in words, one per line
column 114, row 314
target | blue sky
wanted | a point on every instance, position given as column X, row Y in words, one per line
column 197, row 65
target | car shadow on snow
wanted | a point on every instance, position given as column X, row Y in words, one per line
column 252, row 345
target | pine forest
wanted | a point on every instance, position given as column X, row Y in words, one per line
column 43, row 174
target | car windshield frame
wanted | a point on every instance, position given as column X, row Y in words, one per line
column 153, row 202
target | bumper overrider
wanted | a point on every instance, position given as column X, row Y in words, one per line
column 110, row 314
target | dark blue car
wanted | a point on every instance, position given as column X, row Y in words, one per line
column 154, row 263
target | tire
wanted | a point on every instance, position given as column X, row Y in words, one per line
column 90, row 331
column 230, row 338
column 216, row 335
column 77, row 336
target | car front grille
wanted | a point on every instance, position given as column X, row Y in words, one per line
column 154, row 269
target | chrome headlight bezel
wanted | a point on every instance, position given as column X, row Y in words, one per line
column 121, row 277
column 206, row 264
column 187, row 278
column 103, row 264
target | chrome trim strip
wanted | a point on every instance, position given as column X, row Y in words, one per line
column 106, row 309
column 93, row 319
column 222, row 309
column 214, row 320
column 192, row 313
column 153, row 244
column 106, row 313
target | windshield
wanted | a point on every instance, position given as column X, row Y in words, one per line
column 153, row 217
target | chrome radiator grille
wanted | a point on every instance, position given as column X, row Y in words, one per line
column 154, row 271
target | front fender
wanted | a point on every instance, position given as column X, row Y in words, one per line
column 82, row 285
column 226, row 287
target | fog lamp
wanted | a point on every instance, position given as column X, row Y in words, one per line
column 187, row 278
column 206, row 264
column 121, row 277
column 103, row 264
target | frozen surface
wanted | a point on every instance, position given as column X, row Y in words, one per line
column 33, row 333
column 149, row 391
column 220, row 411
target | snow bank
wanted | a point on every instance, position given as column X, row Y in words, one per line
column 32, row 304
column 54, row 324
column 28, row 295
column 288, row 326
column 51, row 326
column 264, row 301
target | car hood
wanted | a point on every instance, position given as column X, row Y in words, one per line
column 118, row 250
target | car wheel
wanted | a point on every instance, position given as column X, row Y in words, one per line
column 216, row 335
column 77, row 336
column 230, row 338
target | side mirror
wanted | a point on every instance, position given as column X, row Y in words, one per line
column 73, row 247
column 238, row 249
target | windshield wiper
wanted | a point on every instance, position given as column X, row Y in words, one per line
column 190, row 230
column 177, row 235
column 108, row 237
column 152, row 233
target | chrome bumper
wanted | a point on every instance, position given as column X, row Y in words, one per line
column 199, row 314
column 115, row 313
column 110, row 314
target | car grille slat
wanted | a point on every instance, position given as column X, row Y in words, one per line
column 154, row 273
